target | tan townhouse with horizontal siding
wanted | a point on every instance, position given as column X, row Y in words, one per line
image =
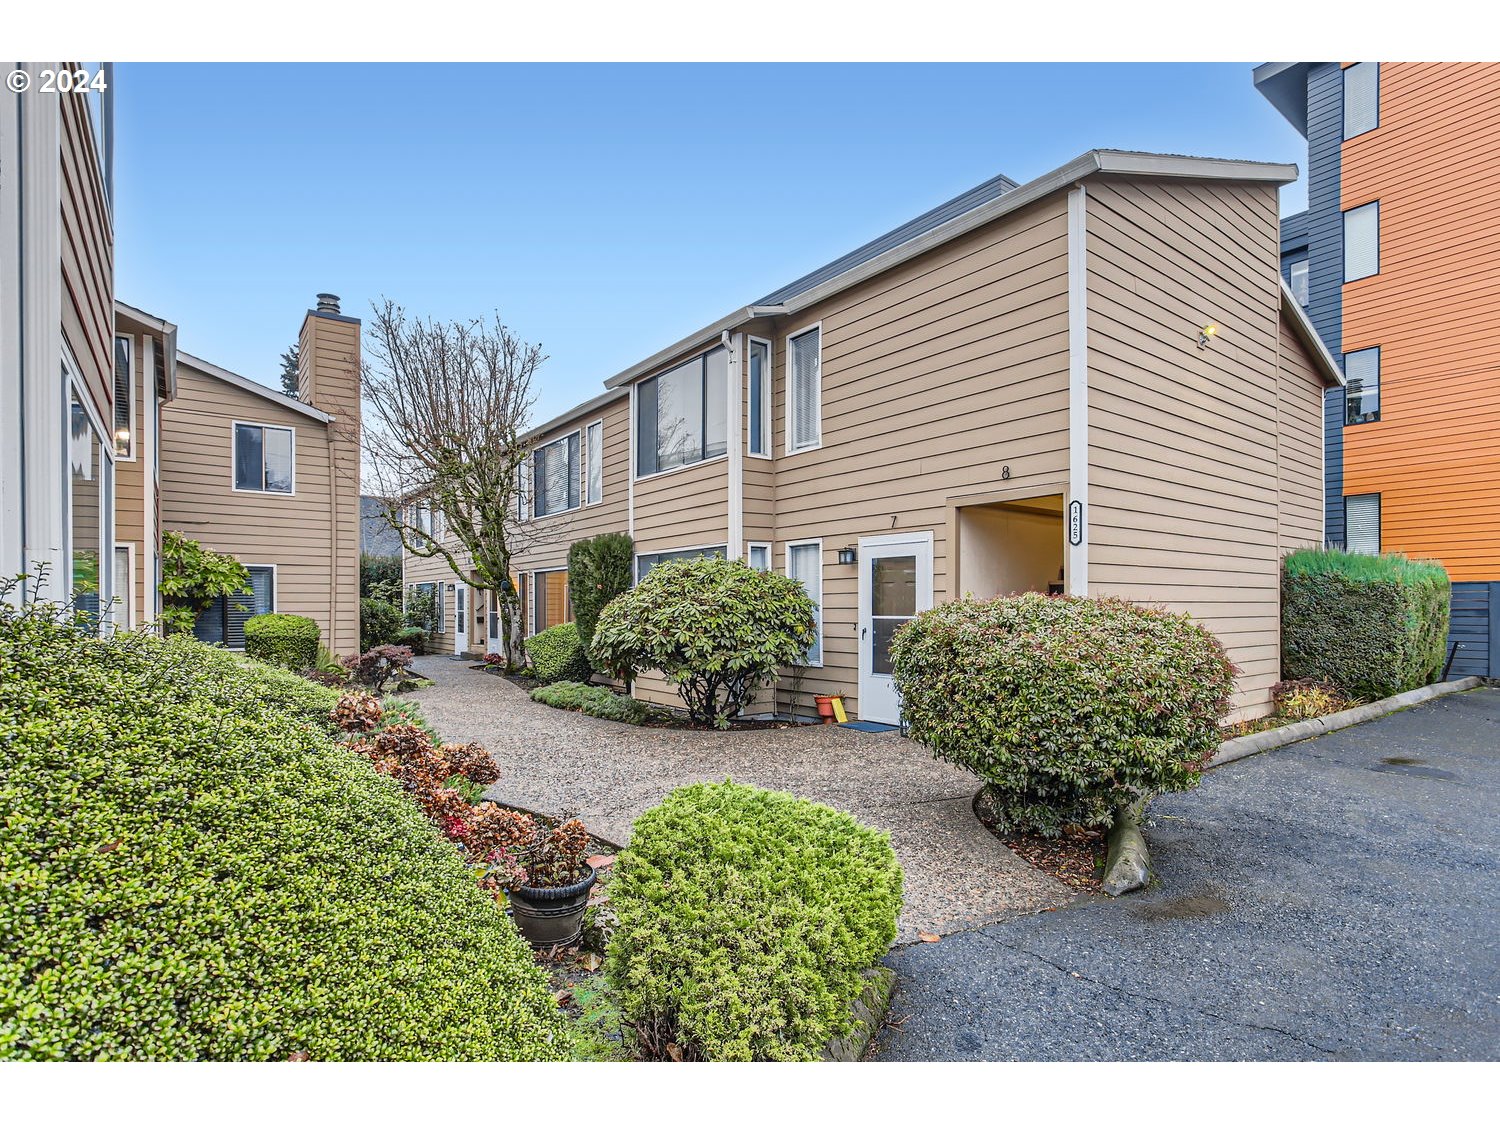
column 1093, row 383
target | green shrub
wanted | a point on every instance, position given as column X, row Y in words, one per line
column 717, row 629
column 380, row 577
column 413, row 637
column 283, row 639
column 379, row 623
column 192, row 576
column 194, row 869
column 557, row 654
column 1064, row 707
column 599, row 702
column 599, row 570
column 1372, row 625
column 745, row 919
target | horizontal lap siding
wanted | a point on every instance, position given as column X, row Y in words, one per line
column 1183, row 479
column 87, row 258
column 291, row 532
column 683, row 508
column 1299, row 441
column 934, row 376
column 1433, row 456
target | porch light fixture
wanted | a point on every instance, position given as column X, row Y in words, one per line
column 848, row 556
column 1205, row 334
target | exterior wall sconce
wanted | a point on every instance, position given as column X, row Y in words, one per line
column 1205, row 334
column 848, row 556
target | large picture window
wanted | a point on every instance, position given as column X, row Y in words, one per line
column 682, row 415
column 554, row 476
column 223, row 622
column 263, row 458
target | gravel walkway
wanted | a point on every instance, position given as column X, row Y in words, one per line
column 958, row 876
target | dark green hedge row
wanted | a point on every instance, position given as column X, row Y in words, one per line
column 283, row 639
column 1374, row 625
column 745, row 921
column 193, row 868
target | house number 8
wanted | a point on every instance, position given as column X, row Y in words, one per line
column 1005, row 472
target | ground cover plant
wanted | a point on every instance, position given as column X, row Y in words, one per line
column 1064, row 707
column 600, row 702
column 194, row 868
column 744, row 922
column 1371, row 625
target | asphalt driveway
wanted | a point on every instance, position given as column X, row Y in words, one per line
column 1335, row 899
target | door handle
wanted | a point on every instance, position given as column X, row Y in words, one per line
column 863, row 632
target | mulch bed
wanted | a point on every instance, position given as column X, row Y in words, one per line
column 1077, row 860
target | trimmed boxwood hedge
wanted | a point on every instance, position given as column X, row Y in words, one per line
column 558, row 654
column 745, row 919
column 284, row 639
column 192, row 868
column 1374, row 625
column 1065, row 707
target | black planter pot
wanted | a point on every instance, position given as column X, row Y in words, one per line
column 549, row 916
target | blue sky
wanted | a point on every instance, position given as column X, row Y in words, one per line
column 604, row 210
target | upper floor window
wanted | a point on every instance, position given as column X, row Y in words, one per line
column 804, row 364
column 644, row 563
column 682, row 415
column 1362, row 524
column 1362, row 241
column 263, row 458
column 124, row 398
column 1361, row 98
column 554, row 476
column 594, row 459
column 1362, row 396
column 1296, row 279
column 760, row 398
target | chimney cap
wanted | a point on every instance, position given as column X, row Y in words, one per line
column 328, row 302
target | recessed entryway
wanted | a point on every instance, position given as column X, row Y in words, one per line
column 1012, row 547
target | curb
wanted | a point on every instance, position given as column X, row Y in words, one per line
column 1261, row 741
column 1127, row 863
column 868, row 1011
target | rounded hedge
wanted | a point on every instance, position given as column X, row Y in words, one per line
column 558, row 654
column 745, row 921
column 283, row 639
column 1065, row 707
column 194, row 869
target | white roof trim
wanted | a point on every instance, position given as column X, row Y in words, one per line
column 253, row 387
column 1101, row 161
column 593, row 404
column 1309, row 336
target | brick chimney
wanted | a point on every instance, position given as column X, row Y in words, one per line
column 328, row 374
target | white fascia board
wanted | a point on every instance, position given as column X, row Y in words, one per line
column 1309, row 336
column 253, row 387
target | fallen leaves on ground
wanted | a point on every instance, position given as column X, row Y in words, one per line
column 923, row 935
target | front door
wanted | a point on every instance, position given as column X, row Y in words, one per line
column 895, row 584
column 460, row 618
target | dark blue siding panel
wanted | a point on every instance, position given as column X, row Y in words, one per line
column 1475, row 628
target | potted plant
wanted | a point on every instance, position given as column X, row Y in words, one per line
column 546, row 879
column 830, row 708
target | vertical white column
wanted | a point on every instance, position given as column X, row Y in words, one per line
column 736, row 474
column 1076, row 518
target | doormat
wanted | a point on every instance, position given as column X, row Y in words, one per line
column 871, row 728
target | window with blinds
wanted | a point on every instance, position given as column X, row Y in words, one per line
column 223, row 621
column 1361, row 98
column 594, row 460
column 124, row 398
column 1362, row 524
column 760, row 398
column 804, row 562
column 804, row 390
column 1362, row 242
column 1362, row 396
column 554, row 476
column 682, row 415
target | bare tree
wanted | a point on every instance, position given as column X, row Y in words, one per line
column 447, row 406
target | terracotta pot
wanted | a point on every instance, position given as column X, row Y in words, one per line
column 825, row 707
column 549, row 916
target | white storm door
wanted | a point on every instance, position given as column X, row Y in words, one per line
column 460, row 617
column 895, row 584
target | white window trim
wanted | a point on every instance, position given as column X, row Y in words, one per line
column 635, row 464
column 236, row 422
column 523, row 489
column 751, row 544
column 134, row 404
column 791, row 400
column 767, row 399
column 819, row 600
column 127, row 599
column 75, row 384
column 588, row 467
column 533, row 575
column 583, row 482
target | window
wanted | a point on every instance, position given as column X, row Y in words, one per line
column 1361, row 98
column 523, row 490
column 760, row 398
column 550, row 603
column 804, row 562
column 554, row 476
column 804, row 390
column 682, row 415
column 90, row 523
column 1296, row 279
column 1362, row 242
column 123, row 591
column 262, row 458
column 644, row 563
column 594, row 459
column 223, row 621
column 124, row 398
column 1362, row 396
column 759, row 556
column 1362, row 524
